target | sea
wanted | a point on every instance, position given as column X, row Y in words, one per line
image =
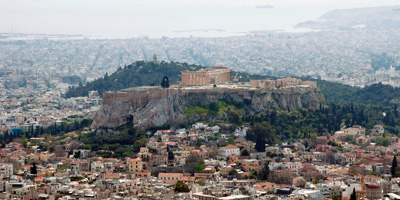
column 156, row 19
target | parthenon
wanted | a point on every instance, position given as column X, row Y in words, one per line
column 211, row 75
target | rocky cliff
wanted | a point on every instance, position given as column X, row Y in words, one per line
column 169, row 108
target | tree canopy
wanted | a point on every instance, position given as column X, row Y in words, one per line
column 180, row 186
column 261, row 134
column 264, row 172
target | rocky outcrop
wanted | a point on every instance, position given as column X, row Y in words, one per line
column 170, row 109
column 115, row 114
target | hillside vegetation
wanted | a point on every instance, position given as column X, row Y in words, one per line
column 139, row 73
column 376, row 94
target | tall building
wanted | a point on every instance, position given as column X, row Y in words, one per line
column 155, row 58
column 206, row 76
column 134, row 165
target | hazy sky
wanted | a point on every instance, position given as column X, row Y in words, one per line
column 156, row 18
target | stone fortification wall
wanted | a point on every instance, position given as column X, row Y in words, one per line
column 287, row 82
column 281, row 83
column 267, row 84
column 140, row 97
column 310, row 83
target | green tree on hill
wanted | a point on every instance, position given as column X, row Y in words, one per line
column 264, row 172
column 180, row 186
column 234, row 118
column 261, row 134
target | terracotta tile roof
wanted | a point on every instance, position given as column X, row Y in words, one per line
column 38, row 179
column 112, row 176
column 170, row 174
column 229, row 147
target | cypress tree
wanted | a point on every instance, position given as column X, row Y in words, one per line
column 34, row 169
column 7, row 137
column 394, row 165
column 170, row 154
column 264, row 173
column 260, row 142
column 165, row 82
column 353, row 195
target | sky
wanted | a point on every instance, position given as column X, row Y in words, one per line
column 158, row 18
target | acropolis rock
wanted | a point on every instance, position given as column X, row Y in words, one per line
column 153, row 106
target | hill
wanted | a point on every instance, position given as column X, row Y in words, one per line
column 140, row 73
column 143, row 73
column 177, row 106
column 376, row 94
column 372, row 18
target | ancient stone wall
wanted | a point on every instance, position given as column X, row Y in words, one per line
column 267, row 84
column 286, row 82
column 281, row 83
column 313, row 84
column 139, row 98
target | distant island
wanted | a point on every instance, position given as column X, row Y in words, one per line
column 200, row 30
column 373, row 18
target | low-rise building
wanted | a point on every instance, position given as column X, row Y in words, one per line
column 229, row 150
column 170, row 178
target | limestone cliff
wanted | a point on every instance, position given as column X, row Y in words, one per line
column 158, row 106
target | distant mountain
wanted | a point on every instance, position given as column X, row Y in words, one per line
column 371, row 18
column 265, row 6
column 140, row 73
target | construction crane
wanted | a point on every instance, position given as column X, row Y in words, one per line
column 362, row 183
column 235, row 79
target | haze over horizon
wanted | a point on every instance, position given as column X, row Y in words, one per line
column 170, row 18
